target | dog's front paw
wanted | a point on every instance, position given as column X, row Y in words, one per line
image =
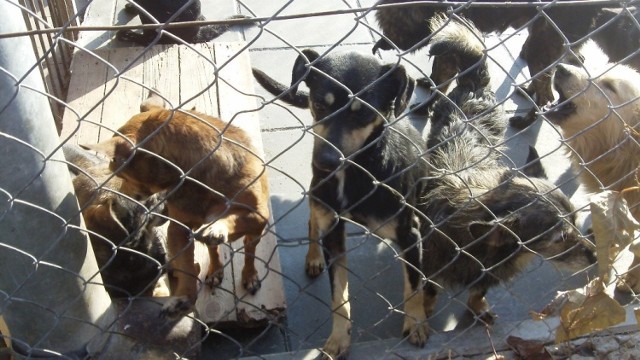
column 314, row 264
column 251, row 281
column 336, row 347
column 416, row 332
column 214, row 279
column 314, row 267
column 214, row 234
column 177, row 307
column 520, row 122
column 487, row 317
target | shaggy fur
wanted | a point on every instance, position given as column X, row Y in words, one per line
column 367, row 167
column 406, row 28
column 129, row 248
column 162, row 11
column 598, row 111
column 500, row 219
column 216, row 189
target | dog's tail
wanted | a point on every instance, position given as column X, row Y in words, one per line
column 212, row 31
column 461, row 42
column 298, row 99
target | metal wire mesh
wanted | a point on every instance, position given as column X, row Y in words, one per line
column 476, row 180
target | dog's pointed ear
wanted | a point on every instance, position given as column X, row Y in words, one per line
column 106, row 148
column 300, row 68
column 117, row 149
column 153, row 101
column 494, row 233
column 398, row 86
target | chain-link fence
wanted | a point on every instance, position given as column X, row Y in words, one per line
column 385, row 180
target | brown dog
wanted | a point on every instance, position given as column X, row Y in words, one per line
column 216, row 188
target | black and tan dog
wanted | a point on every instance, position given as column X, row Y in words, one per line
column 216, row 187
column 486, row 221
column 124, row 233
column 405, row 27
column 367, row 167
column 162, row 11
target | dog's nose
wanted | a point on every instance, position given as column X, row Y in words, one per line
column 327, row 161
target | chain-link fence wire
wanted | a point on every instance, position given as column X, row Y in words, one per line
column 130, row 233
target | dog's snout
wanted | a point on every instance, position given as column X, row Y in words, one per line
column 327, row 160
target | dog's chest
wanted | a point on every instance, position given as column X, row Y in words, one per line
column 365, row 200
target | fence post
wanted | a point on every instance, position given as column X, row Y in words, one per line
column 49, row 299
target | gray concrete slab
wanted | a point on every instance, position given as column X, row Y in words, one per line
column 309, row 31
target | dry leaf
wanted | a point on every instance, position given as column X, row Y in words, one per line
column 613, row 228
column 528, row 349
column 598, row 311
column 575, row 296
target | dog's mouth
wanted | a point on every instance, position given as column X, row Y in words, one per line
column 559, row 109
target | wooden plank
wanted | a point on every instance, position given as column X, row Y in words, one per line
column 198, row 79
column 216, row 305
column 99, row 13
column 123, row 93
column 86, row 90
column 235, row 85
column 161, row 67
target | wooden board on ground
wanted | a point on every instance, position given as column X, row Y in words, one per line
column 106, row 89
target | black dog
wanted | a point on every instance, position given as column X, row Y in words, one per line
column 616, row 33
column 162, row 11
column 367, row 166
column 405, row 27
column 128, row 246
column 486, row 221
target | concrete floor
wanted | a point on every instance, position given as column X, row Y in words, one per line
column 375, row 274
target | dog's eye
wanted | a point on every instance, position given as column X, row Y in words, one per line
column 318, row 106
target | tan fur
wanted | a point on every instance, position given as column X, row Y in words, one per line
column 217, row 188
column 602, row 132
column 603, row 136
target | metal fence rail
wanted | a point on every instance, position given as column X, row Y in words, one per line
column 147, row 266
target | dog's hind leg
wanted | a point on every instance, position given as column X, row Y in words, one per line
column 181, row 260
